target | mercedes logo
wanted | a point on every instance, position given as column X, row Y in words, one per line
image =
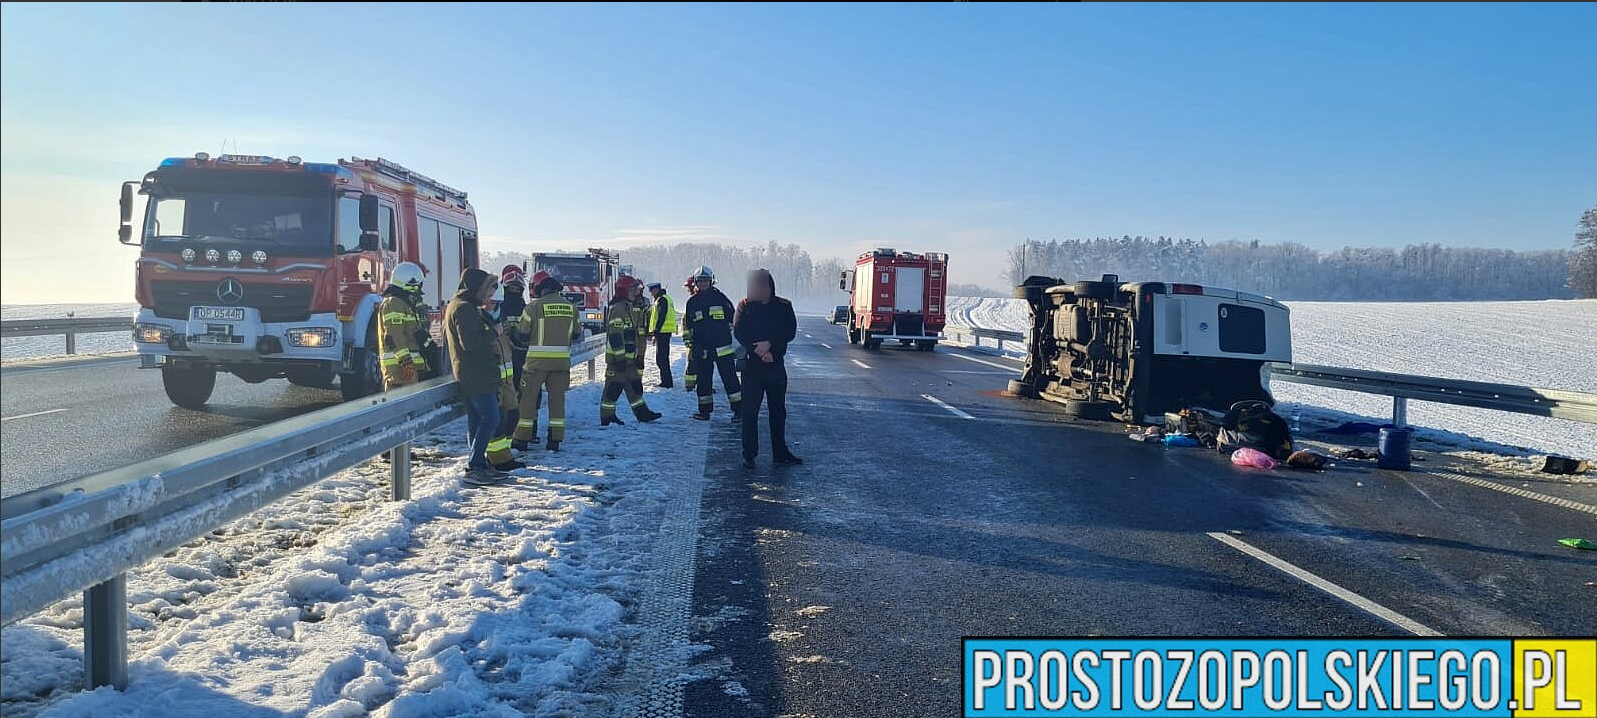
column 230, row 291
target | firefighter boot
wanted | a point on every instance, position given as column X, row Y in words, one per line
column 552, row 445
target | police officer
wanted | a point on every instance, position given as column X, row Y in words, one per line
column 401, row 326
column 548, row 326
column 662, row 324
column 621, row 357
column 709, row 318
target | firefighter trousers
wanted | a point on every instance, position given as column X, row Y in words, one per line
column 534, row 382
column 618, row 379
column 499, row 446
column 662, row 359
column 705, row 369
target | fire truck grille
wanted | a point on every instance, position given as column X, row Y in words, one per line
column 277, row 303
column 577, row 298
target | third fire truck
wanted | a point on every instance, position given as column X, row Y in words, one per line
column 588, row 277
column 897, row 295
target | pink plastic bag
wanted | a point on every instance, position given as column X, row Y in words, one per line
column 1252, row 457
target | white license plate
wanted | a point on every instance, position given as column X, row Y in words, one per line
column 219, row 314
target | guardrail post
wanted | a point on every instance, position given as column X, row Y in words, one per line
column 399, row 459
column 72, row 343
column 1399, row 411
column 105, row 633
column 593, row 369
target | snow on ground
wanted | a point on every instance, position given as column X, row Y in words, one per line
column 493, row 601
column 1550, row 344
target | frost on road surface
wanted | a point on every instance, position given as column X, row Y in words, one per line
column 1550, row 344
column 496, row 601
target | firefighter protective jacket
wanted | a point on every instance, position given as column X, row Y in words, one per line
column 400, row 324
column 549, row 325
column 709, row 320
column 622, row 333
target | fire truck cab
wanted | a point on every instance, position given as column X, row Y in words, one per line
column 273, row 268
column 896, row 295
column 588, row 279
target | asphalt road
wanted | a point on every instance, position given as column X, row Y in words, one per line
column 64, row 420
column 842, row 587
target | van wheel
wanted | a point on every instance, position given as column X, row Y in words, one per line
column 1095, row 290
column 1091, row 410
column 188, row 387
column 367, row 377
column 1022, row 389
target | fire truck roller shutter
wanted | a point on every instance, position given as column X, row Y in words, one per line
column 910, row 294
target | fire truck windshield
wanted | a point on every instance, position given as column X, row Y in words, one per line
column 572, row 271
column 303, row 222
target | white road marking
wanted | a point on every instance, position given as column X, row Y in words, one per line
column 1516, row 491
column 862, row 365
column 1349, row 597
column 983, row 372
column 809, row 336
column 824, row 344
column 36, row 413
column 957, row 355
column 951, row 409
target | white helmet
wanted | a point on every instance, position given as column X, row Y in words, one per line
column 704, row 272
column 407, row 276
column 499, row 295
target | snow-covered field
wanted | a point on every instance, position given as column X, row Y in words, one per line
column 1550, row 344
column 495, row 601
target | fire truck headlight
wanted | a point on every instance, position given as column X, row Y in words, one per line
column 187, row 254
column 259, row 257
column 235, row 256
column 150, row 333
column 212, row 256
column 311, row 338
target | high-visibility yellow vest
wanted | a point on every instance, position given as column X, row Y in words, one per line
column 662, row 308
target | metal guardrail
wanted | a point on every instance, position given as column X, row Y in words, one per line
column 973, row 336
column 69, row 326
column 85, row 533
column 1556, row 403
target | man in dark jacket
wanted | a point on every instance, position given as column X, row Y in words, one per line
column 515, row 304
column 765, row 325
column 474, row 350
column 709, row 322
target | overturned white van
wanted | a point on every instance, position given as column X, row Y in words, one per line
column 1134, row 350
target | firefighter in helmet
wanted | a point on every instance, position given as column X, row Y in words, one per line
column 402, row 328
column 514, row 281
column 709, row 318
column 689, row 379
column 548, row 327
column 640, row 320
column 499, row 455
column 621, row 357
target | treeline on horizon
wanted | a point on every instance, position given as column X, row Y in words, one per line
column 1293, row 271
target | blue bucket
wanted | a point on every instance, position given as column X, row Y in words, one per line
column 1395, row 444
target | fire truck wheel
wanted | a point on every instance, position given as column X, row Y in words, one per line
column 926, row 345
column 1095, row 290
column 367, row 378
column 1093, row 410
column 1022, row 389
column 188, row 387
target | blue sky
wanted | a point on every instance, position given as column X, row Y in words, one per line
column 961, row 127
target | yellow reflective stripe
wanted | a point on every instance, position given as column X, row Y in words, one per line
column 397, row 317
column 549, row 350
column 638, row 403
column 402, row 353
column 499, row 444
column 557, row 422
column 607, row 405
column 735, row 396
column 725, row 351
column 527, row 423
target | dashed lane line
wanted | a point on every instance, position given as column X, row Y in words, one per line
column 862, row 365
column 951, row 409
column 36, row 413
column 824, row 344
column 1342, row 594
column 1009, row 369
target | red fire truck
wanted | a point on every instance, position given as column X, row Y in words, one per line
column 896, row 295
column 267, row 268
column 588, row 277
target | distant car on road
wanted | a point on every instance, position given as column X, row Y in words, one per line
column 840, row 314
column 1135, row 350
